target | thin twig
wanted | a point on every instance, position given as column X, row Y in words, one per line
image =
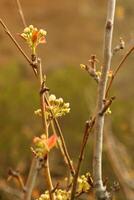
column 15, row 174
column 107, row 104
column 118, row 68
column 30, row 183
column 18, row 46
column 42, row 101
column 72, row 170
column 45, row 129
column 88, row 128
column 54, row 123
column 59, row 144
column 100, row 190
column 21, row 13
column 119, row 47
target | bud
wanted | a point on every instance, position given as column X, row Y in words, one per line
column 67, row 105
column 60, row 100
column 26, row 30
column 52, row 97
column 109, row 111
column 82, row 66
column 42, row 32
column 56, row 107
column 38, row 112
column 31, row 27
column 42, row 145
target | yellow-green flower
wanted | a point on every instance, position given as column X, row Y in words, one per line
column 34, row 37
column 56, row 108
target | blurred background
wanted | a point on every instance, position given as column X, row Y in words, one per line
column 75, row 31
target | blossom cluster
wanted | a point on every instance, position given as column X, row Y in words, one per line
column 34, row 37
column 56, row 108
column 42, row 145
column 59, row 195
column 83, row 183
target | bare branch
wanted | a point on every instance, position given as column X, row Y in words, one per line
column 88, row 127
column 120, row 46
column 21, row 13
column 18, row 46
column 118, row 68
column 45, row 129
column 100, row 190
column 55, row 123
column 91, row 68
column 15, row 174
column 107, row 104
column 30, row 183
column 72, row 170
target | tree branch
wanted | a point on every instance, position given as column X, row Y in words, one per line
column 21, row 13
column 88, row 127
column 45, row 129
column 118, row 68
column 16, row 175
column 100, row 190
column 66, row 153
column 18, row 46
column 30, row 183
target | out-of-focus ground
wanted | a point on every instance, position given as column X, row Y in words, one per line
column 75, row 31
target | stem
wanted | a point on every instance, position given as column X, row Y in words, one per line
column 118, row 68
column 60, row 146
column 72, row 170
column 18, row 46
column 21, row 13
column 45, row 128
column 69, row 161
column 42, row 101
column 35, row 166
column 88, row 128
column 16, row 175
column 100, row 190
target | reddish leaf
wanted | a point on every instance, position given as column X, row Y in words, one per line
column 51, row 142
column 35, row 36
column 43, row 40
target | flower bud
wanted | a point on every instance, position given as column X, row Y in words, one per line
column 52, row 97
column 67, row 105
column 43, row 32
column 60, row 100
column 26, row 30
column 82, row 66
column 37, row 112
column 31, row 27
